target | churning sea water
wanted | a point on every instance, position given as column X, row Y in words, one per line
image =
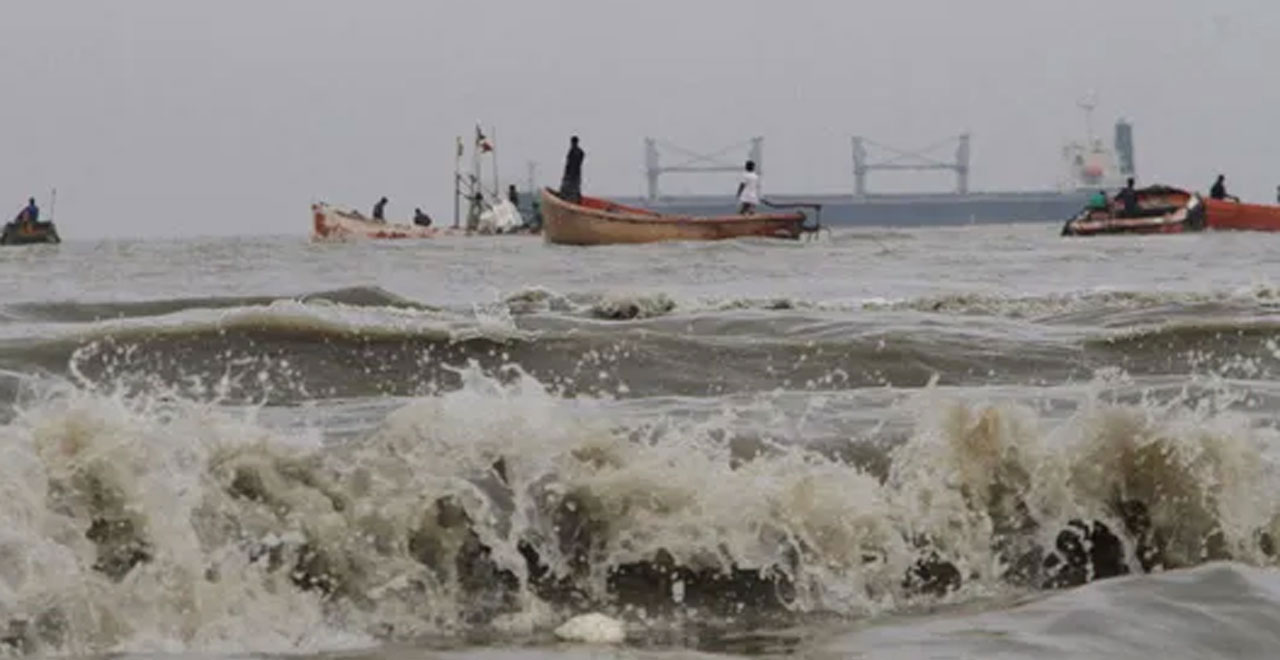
column 942, row 443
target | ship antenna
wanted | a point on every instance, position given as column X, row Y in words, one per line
column 1088, row 103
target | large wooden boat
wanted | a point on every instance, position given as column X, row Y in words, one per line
column 593, row 221
column 28, row 233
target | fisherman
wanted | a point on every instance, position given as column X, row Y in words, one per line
column 473, row 214
column 30, row 213
column 1219, row 190
column 1128, row 198
column 379, row 209
column 534, row 221
column 421, row 219
column 749, row 190
column 571, row 184
column 1098, row 201
column 513, row 196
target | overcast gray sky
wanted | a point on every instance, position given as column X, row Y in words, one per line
column 180, row 117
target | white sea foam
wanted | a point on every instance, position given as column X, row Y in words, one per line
column 157, row 524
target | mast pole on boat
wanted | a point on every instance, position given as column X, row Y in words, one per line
column 457, row 183
column 493, row 153
column 476, row 182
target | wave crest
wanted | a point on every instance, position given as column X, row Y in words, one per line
column 502, row 505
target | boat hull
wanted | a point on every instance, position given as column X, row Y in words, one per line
column 333, row 223
column 1225, row 215
column 1162, row 210
column 897, row 210
column 600, row 222
column 29, row 233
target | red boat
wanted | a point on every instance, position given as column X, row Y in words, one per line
column 1161, row 210
column 1228, row 214
column 1164, row 210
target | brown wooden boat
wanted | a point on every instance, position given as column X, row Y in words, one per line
column 594, row 221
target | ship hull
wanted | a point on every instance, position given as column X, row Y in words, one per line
column 898, row 210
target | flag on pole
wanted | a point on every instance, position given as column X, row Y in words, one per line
column 482, row 143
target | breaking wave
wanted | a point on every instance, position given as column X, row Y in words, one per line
column 1102, row 308
column 613, row 306
column 295, row 350
column 80, row 311
column 158, row 523
column 1107, row 308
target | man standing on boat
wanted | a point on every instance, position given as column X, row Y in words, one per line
column 475, row 211
column 1128, row 198
column 1219, row 190
column 29, row 213
column 749, row 190
column 571, row 184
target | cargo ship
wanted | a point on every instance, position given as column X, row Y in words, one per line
column 1089, row 165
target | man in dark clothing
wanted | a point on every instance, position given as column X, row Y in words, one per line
column 474, row 213
column 571, row 184
column 513, row 196
column 378, row 210
column 421, row 219
column 1128, row 198
column 1219, row 190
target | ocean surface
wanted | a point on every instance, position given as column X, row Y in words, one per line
column 936, row 443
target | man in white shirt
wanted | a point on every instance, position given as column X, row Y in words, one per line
column 749, row 190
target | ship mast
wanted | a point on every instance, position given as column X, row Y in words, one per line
column 1088, row 103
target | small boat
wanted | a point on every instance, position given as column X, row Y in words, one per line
column 594, row 221
column 28, row 233
column 333, row 223
column 1161, row 210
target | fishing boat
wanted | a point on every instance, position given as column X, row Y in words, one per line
column 334, row 223
column 28, row 233
column 1165, row 210
column 488, row 212
column 594, row 221
column 1161, row 210
column 1234, row 215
